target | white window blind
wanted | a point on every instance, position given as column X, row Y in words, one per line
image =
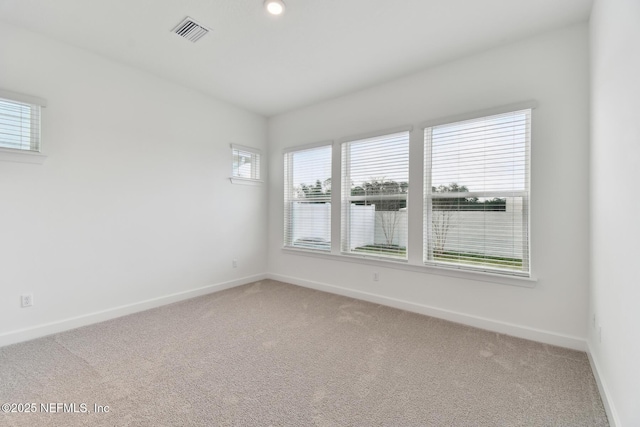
column 375, row 185
column 307, row 198
column 476, row 213
column 19, row 125
column 246, row 163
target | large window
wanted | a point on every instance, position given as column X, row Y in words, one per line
column 476, row 198
column 472, row 215
column 19, row 122
column 307, row 198
column 375, row 185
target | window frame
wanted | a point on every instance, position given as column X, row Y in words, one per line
column 346, row 198
column 415, row 247
column 34, row 154
column 427, row 212
column 287, row 156
column 256, row 165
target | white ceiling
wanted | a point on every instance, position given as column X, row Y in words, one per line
column 318, row 49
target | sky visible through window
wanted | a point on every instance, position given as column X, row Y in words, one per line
column 311, row 165
column 383, row 158
column 487, row 154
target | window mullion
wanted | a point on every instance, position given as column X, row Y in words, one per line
column 428, row 205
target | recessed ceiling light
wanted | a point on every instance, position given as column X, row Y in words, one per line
column 274, row 7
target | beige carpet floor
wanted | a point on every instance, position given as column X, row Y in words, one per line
column 271, row 353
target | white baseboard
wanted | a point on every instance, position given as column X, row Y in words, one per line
column 45, row 329
column 609, row 408
column 519, row 331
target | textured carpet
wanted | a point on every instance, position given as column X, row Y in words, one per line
column 271, row 353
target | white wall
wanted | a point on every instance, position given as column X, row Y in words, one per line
column 615, row 223
column 552, row 69
column 133, row 202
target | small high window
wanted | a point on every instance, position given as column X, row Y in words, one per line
column 19, row 122
column 246, row 164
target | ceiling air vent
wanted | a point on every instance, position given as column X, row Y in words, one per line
column 190, row 29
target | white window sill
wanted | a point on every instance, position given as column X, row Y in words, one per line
column 21, row 156
column 245, row 181
column 401, row 264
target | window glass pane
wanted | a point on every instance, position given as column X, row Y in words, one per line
column 246, row 164
column 479, row 232
column 477, row 193
column 308, row 198
column 487, row 154
column 19, row 125
column 375, row 189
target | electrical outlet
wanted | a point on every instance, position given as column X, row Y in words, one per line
column 234, row 263
column 26, row 300
column 376, row 277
